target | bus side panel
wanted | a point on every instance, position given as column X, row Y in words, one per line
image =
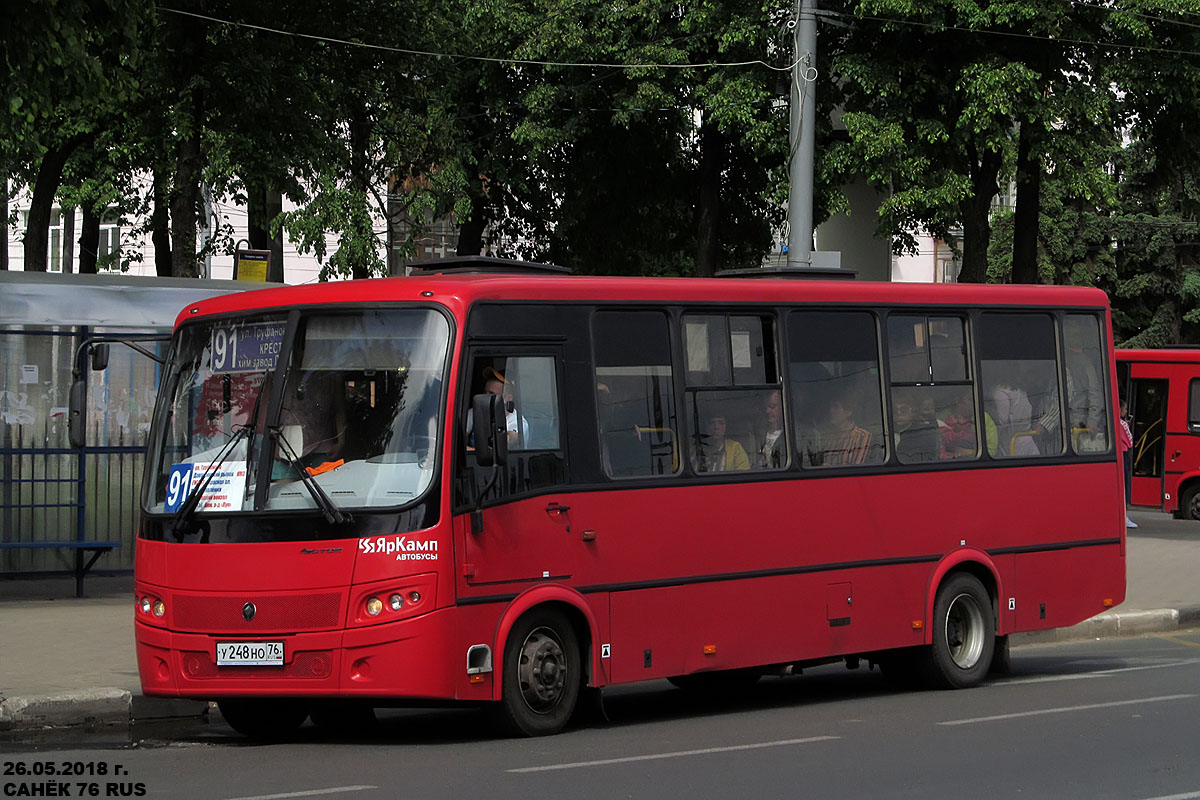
column 739, row 623
column 1060, row 588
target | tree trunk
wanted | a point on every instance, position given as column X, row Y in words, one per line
column 68, row 240
column 262, row 206
column 184, row 263
column 89, row 241
column 359, row 158
column 1025, row 220
column 4, row 223
column 976, row 209
column 708, row 206
column 189, row 38
column 470, row 233
column 160, row 222
column 37, row 232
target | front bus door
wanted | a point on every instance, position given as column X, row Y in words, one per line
column 1148, row 405
column 523, row 533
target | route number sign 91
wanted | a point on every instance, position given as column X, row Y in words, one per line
column 246, row 348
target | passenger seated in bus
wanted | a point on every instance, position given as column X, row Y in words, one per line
column 843, row 442
column 916, row 440
column 770, row 452
column 958, row 428
column 717, row 452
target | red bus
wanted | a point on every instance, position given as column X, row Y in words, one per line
column 489, row 483
column 1162, row 388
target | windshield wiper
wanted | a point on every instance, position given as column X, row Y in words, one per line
column 333, row 514
column 183, row 516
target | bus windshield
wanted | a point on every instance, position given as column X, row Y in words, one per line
column 351, row 404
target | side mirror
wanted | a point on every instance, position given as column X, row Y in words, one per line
column 99, row 356
column 491, row 430
column 76, row 432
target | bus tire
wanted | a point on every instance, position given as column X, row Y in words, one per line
column 343, row 717
column 964, row 634
column 1189, row 502
column 543, row 674
column 268, row 719
column 1001, row 657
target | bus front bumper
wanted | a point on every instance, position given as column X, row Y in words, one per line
column 407, row 659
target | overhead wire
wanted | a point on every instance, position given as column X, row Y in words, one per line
column 468, row 57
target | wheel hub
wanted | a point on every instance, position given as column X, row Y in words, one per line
column 965, row 631
column 542, row 670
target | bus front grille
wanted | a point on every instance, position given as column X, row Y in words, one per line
column 271, row 613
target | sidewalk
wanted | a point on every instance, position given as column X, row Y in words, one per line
column 70, row 661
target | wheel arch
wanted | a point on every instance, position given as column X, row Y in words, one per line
column 973, row 562
column 563, row 599
column 1187, row 482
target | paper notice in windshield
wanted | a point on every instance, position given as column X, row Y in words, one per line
column 247, row 348
column 223, row 493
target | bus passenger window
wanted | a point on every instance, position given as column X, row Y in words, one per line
column 837, row 397
column 635, row 402
column 1087, row 395
column 1019, row 380
column 932, row 391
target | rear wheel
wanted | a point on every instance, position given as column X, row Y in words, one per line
column 264, row 718
column 542, row 675
column 964, row 634
column 1189, row 503
column 1001, row 657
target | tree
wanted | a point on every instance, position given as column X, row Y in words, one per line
column 71, row 67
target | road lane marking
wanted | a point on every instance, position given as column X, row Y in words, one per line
column 1186, row 643
column 307, row 793
column 1065, row 709
column 1185, row 796
column 1100, row 673
column 677, row 754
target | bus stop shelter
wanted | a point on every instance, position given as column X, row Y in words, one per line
column 64, row 509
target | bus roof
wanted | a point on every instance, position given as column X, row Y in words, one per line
column 1186, row 355
column 461, row 290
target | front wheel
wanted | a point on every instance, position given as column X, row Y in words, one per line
column 543, row 674
column 1189, row 503
column 264, row 718
column 964, row 634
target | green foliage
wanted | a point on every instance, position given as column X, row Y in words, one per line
column 614, row 159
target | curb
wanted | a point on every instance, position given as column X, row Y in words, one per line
column 101, row 706
column 1115, row 624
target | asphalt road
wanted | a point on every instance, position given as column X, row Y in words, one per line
column 1114, row 718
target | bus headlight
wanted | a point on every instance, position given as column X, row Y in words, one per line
column 393, row 600
column 145, row 605
column 159, row 608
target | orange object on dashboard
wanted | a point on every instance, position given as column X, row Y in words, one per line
column 326, row 467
